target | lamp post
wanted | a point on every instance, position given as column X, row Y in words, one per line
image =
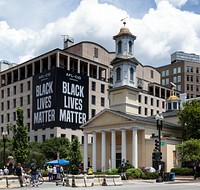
column 159, row 118
column 4, row 134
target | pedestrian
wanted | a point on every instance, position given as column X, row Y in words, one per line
column 123, row 172
column 50, row 170
column 19, row 171
column 10, row 164
column 34, row 174
column 54, row 172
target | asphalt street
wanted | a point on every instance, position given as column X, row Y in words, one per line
column 129, row 186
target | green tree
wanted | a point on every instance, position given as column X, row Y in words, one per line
column 189, row 119
column 75, row 157
column 20, row 138
column 52, row 146
column 189, row 150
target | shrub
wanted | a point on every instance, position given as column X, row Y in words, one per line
column 44, row 173
column 182, row 171
column 149, row 175
column 112, row 171
column 133, row 173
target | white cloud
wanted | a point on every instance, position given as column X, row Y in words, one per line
column 160, row 32
column 176, row 3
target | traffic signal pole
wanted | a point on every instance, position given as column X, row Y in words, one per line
column 159, row 119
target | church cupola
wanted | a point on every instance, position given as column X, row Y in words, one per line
column 173, row 102
column 124, row 43
column 124, row 64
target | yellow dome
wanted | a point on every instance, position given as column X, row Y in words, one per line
column 173, row 97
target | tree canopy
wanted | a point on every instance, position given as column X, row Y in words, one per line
column 20, row 138
column 189, row 119
column 189, row 150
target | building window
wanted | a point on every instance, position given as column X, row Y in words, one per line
column 197, row 88
column 167, row 72
column 63, row 135
column 8, row 117
column 179, row 70
column 119, row 46
column 130, row 46
column 93, row 86
column 14, row 103
column 28, row 99
column 14, row 90
column 14, row 116
column 2, row 94
column 2, row 119
column 139, row 110
column 197, row 70
column 72, row 137
column 174, row 79
column 146, row 100
column 152, row 74
column 163, row 82
column 2, row 106
column 102, row 102
column 52, row 135
column 96, row 52
column 145, row 111
column 151, row 112
column 118, row 74
column 157, row 103
column 167, row 81
column 179, row 87
column 163, row 73
column 188, row 87
column 28, row 85
column 8, row 105
column 8, row 92
column 174, row 70
column 139, row 98
column 93, row 112
column 21, row 101
column 82, row 140
column 21, row 88
column 179, row 78
column 131, row 74
column 197, row 78
column 151, row 101
column 93, row 99
column 191, row 87
column 163, row 105
column 102, row 88
column 28, row 113
column 188, row 78
column 191, row 78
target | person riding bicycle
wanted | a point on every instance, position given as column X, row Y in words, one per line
column 34, row 174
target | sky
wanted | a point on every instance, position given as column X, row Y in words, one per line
column 29, row 28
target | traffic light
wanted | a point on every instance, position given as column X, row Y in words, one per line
column 153, row 155
column 157, row 145
column 156, row 156
column 160, row 155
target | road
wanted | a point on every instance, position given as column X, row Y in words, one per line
column 131, row 186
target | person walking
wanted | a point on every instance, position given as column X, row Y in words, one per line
column 34, row 174
column 19, row 171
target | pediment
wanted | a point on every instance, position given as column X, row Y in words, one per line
column 106, row 118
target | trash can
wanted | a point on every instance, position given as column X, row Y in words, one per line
column 171, row 176
column 166, row 176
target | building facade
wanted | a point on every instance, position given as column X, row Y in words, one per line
column 183, row 72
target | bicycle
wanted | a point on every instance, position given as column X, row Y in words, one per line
column 27, row 179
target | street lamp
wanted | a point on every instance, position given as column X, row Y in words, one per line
column 159, row 118
column 4, row 134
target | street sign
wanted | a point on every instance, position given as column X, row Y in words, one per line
column 163, row 143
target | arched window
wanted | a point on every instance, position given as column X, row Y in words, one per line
column 130, row 46
column 118, row 74
column 131, row 74
column 119, row 47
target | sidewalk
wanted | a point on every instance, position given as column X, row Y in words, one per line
column 178, row 179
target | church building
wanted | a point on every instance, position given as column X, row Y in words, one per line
column 121, row 132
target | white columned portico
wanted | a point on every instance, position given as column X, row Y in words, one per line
column 85, row 152
column 135, row 148
column 113, row 149
column 123, row 144
column 94, row 153
column 103, row 151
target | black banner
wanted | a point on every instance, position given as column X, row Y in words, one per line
column 60, row 98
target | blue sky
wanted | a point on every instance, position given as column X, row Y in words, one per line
column 29, row 28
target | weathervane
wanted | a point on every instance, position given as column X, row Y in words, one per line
column 124, row 21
